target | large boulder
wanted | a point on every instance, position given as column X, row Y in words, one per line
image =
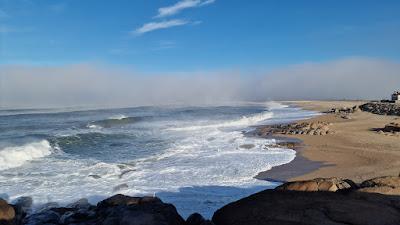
column 118, row 209
column 278, row 207
column 121, row 209
column 197, row 219
column 22, row 206
column 384, row 185
column 319, row 184
column 7, row 213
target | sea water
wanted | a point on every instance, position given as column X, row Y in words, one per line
column 198, row 158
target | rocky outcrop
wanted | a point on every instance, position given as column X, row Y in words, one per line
column 383, row 185
column 382, row 108
column 119, row 209
column 304, row 128
column 330, row 201
column 7, row 213
column 197, row 219
column 344, row 110
column 277, row 207
column 319, row 184
column 391, row 129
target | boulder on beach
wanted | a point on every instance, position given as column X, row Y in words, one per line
column 319, row 184
column 389, row 185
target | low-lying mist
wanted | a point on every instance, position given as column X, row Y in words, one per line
column 100, row 86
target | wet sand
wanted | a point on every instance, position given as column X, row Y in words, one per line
column 353, row 151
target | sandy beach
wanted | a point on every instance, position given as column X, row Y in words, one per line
column 353, row 151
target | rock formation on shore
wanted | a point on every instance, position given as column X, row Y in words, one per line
column 389, row 129
column 331, row 201
column 303, row 128
column 381, row 108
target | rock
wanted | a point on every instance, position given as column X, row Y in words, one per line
column 392, row 127
column 389, row 185
column 197, row 219
column 47, row 206
column 194, row 219
column 25, row 203
column 44, row 217
column 381, row 108
column 279, row 207
column 121, row 209
column 76, row 217
column 123, row 200
column 82, row 203
column 22, row 206
column 7, row 212
column 303, row 128
column 319, row 184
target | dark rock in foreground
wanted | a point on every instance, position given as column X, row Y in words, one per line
column 119, row 209
column 321, row 201
column 330, row 201
column 276, row 207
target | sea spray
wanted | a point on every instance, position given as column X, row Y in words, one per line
column 15, row 156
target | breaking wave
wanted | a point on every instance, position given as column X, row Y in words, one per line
column 16, row 156
column 118, row 120
column 244, row 121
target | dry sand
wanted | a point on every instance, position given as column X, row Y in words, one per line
column 354, row 151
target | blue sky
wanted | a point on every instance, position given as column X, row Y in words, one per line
column 196, row 35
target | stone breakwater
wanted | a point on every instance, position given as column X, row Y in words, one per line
column 304, row 128
column 332, row 201
column 381, row 108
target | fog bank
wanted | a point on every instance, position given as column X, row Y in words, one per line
column 101, row 86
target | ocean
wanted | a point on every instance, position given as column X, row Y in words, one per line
column 197, row 158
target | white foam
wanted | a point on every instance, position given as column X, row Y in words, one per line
column 16, row 156
column 244, row 121
column 118, row 117
column 93, row 126
column 275, row 105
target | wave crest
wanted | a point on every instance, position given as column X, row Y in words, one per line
column 113, row 121
column 16, row 156
column 244, row 121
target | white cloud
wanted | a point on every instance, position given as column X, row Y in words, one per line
column 152, row 26
column 181, row 5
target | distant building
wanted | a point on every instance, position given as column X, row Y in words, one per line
column 396, row 96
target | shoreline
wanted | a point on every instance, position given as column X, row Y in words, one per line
column 354, row 150
column 300, row 165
